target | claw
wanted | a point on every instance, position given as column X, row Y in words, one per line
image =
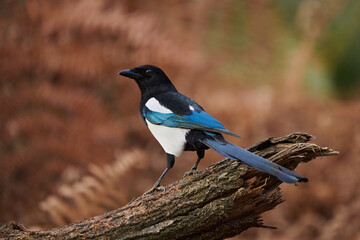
column 154, row 189
column 191, row 172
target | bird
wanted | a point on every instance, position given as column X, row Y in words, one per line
column 180, row 124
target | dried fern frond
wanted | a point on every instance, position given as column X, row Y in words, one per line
column 93, row 194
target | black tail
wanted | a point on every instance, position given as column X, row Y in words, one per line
column 236, row 153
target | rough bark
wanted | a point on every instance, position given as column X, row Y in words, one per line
column 218, row 202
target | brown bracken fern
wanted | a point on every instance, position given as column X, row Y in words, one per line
column 93, row 194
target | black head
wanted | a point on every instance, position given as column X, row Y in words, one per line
column 149, row 78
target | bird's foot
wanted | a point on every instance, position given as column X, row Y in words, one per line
column 155, row 189
column 191, row 172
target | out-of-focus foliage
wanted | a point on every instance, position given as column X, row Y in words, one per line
column 72, row 144
column 341, row 50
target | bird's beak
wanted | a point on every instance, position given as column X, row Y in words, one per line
column 130, row 73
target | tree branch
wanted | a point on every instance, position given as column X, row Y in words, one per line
column 218, row 202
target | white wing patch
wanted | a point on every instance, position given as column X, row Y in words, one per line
column 191, row 108
column 172, row 140
column 155, row 106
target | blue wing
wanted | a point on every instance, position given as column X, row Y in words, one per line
column 196, row 120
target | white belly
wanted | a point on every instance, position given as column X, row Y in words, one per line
column 172, row 140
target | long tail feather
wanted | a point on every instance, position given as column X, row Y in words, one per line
column 236, row 153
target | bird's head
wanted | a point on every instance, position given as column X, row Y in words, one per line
column 149, row 78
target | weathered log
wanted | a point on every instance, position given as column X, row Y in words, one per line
column 218, row 202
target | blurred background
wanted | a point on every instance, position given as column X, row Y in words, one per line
column 73, row 145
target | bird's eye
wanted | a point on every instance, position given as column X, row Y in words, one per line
column 148, row 73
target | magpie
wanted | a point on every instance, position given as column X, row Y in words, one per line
column 180, row 124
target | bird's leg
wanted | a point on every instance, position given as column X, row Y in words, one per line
column 170, row 163
column 201, row 155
